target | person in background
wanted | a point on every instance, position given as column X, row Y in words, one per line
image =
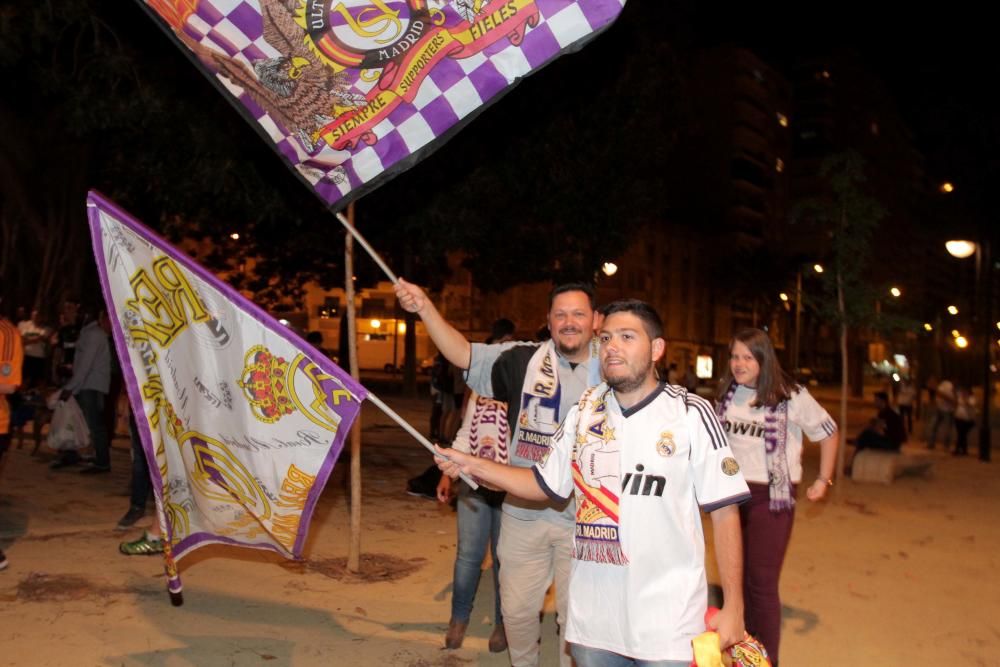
column 944, row 414
column 765, row 414
column 965, row 419
column 11, row 361
column 89, row 384
column 35, row 338
column 905, row 398
column 483, row 433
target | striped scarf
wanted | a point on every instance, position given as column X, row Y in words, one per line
column 779, row 479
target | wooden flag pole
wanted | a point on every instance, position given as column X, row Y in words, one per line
column 354, row 552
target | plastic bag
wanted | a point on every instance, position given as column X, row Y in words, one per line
column 68, row 428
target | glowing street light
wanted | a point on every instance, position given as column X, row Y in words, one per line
column 783, row 296
column 960, row 248
column 235, row 236
column 928, row 327
column 961, row 342
column 609, row 268
column 895, row 291
column 376, row 324
column 818, row 268
column 947, row 187
column 952, row 310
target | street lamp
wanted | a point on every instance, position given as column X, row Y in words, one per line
column 609, row 268
column 895, row 291
column 962, row 249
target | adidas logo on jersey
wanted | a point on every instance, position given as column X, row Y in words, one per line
column 643, row 485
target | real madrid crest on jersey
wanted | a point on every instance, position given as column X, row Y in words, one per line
column 730, row 466
column 665, row 445
column 5, row 370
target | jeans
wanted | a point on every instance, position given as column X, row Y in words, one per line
column 478, row 527
column 586, row 656
column 533, row 553
column 141, row 484
column 91, row 404
column 948, row 420
column 765, row 541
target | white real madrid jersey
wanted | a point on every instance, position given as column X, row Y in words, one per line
column 673, row 462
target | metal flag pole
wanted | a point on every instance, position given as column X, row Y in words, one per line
column 416, row 434
column 364, row 244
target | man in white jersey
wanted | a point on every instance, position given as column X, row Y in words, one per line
column 642, row 458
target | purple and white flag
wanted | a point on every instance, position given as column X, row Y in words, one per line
column 352, row 92
column 241, row 420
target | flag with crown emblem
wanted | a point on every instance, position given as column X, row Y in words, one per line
column 352, row 92
column 241, row 420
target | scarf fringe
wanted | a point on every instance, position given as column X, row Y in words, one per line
column 531, row 452
column 781, row 504
column 600, row 551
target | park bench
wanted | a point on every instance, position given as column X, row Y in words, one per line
column 873, row 465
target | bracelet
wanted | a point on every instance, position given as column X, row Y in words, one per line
column 825, row 480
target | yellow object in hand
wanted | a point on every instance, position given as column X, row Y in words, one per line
column 707, row 651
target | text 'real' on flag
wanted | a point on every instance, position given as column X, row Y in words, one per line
column 241, row 420
column 352, row 92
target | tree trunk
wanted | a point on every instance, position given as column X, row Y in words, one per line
column 842, row 430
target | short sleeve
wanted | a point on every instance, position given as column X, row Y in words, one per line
column 717, row 478
column 554, row 472
column 479, row 377
column 806, row 413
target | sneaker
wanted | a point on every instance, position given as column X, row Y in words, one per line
column 94, row 469
column 133, row 515
column 3, row 561
column 144, row 546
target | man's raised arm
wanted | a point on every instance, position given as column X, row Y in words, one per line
column 449, row 340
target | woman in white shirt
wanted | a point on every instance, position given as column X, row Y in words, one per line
column 765, row 414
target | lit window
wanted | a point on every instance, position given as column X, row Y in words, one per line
column 782, row 119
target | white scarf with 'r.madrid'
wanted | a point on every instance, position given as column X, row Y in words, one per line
column 540, row 395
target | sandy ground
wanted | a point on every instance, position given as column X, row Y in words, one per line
column 879, row 575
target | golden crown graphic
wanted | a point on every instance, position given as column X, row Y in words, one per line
column 264, row 382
